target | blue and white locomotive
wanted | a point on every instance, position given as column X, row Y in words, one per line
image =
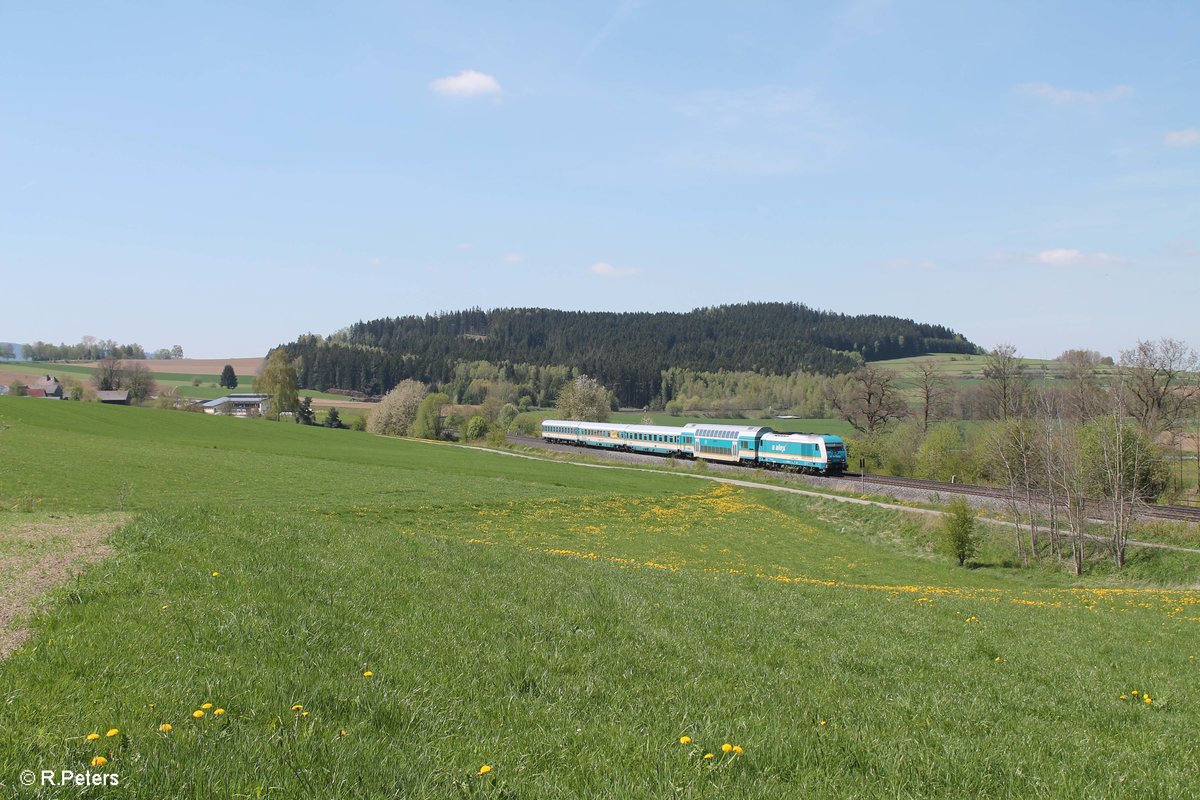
column 750, row 445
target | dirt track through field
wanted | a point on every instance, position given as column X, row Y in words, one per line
column 40, row 553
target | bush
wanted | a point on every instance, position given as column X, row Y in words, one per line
column 958, row 530
column 476, row 428
column 398, row 410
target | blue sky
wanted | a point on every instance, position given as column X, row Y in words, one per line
column 228, row 176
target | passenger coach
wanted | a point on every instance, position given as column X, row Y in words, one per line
column 749, row 445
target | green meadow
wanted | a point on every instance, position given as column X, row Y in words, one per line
column 564, row 625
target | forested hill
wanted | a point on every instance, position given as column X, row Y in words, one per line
column 627, row 351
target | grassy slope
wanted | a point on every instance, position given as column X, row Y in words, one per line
column 180, row 381
column 564, row 625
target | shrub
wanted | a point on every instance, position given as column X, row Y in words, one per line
column 958, row 530
column 476, row 428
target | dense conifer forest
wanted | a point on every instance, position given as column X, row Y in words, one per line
column 626, row 351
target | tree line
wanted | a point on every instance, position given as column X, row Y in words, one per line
column 90, row 348
column 1103, row 434
column 627, row 352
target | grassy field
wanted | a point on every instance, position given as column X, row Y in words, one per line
column 563, row 625
column 181, row 382
column 964, row 370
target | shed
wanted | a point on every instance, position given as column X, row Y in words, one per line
column 118, row 397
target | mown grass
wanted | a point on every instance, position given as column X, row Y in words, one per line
column 564, row 625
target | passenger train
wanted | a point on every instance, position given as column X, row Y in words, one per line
column 748, row 445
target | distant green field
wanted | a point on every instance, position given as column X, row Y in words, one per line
column 563, row 625
column 181, row 382
column 963, row 369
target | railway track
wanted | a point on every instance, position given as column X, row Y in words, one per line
column 1174, row 513
column 1177, row 513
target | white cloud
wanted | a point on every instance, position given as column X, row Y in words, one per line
column 1066, row 97
column 609, row 271
column 514, row 258
column 466, row 84
column 464, row 247
column 1059, row 255
column 1184, row 138
column 1067, row 256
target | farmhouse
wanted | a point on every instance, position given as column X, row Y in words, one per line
column 237, row 405
column 47, row 386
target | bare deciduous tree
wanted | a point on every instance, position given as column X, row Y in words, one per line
column 108, row 373
column 870, row 399
column 931, row 389
column 1155, row 380
column 1083, row 397
column 1007, row 380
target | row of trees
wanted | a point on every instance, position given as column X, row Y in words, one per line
column 90, row 348
column 1102, row 435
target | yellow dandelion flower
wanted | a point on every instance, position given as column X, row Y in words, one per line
column 1146, row 697
column 149, row 705
column 485, row 769
column 343, row 733
column 99, row 761
column 112, row 732
column 823, row 722
column 206, row 706
column 218, row 712
column 685, row 740
column 1134, row 693
column 164, row 607
column 709, row 756
column 1124, row 697
column 91, row 737
column 216, row 574
column 368, row 674
column 197, row 713
column 727, row 748
column 738, row 749
column 297, row 707
column 165, row 727
column 304, row 713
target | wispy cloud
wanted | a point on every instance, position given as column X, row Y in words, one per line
column 464, row 247
column 1185, row 138
column 1067, row 256
column 514, row 258
column 466, row 84
column 1056, row 257
column 609, row 271
column 619, row 16
column 1067, row 97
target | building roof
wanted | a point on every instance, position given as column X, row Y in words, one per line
column 114, row 396
column 48, row 384
column 244, row 399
